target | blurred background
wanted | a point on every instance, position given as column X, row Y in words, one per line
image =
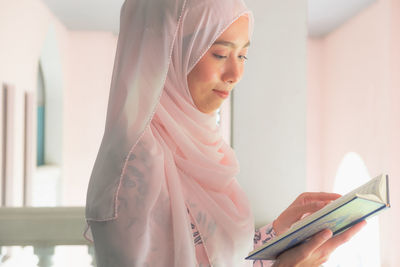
column 318, row 109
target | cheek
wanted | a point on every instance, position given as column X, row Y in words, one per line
column 206, row 73
column 201, row 81
column 202, row 78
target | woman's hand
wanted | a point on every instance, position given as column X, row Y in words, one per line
column 316, row 251
column 304, row 204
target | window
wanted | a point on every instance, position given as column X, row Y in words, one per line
column 46, row 184
column 363, row 249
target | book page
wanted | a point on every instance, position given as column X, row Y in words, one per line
column 374, row 190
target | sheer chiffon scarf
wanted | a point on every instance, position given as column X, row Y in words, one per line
column 161, row 158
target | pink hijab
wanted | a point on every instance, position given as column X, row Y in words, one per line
column 161, row 159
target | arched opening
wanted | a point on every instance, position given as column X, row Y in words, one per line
column 363, row 249
column 46, row 185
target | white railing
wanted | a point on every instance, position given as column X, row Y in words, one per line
column 43, row 228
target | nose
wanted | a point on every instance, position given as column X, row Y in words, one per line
column 233, row 71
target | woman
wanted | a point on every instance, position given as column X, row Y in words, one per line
column 162, row 191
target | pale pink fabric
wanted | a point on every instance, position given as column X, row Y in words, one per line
column 262, row 235
column 160, row 156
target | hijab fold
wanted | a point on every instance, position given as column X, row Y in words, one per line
column 160, row 157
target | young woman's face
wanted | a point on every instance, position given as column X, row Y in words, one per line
column 221, row 67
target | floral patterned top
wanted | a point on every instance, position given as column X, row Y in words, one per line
column 261, row 236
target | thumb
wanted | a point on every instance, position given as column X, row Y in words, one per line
column 306, row 249
column 303, row 252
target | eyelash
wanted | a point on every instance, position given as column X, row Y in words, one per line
column 223, row 57
column 219, row 56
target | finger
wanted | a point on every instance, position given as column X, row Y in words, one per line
column 311, row 207
column 318, row 196
column 305, row 250
column 295, row 213
column 344, row 237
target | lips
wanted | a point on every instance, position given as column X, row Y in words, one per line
column 222, row 94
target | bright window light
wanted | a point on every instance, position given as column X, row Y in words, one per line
column 363, row 249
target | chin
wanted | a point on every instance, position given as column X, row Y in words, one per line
column 210, row 110
column 211, row 106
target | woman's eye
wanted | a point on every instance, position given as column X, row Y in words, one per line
column 243, row 57
column 219, row 56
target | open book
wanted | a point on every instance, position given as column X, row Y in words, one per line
column 344, row 212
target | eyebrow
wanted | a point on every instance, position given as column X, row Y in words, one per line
column 230, row 44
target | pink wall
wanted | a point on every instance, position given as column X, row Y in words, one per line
column 356, row 69
column 23, row 28
column 392, row 221
column 87, row 62
column 24, row 25
column 89, row 77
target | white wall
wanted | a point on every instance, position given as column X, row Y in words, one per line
column 51, row 62
column 269, row 124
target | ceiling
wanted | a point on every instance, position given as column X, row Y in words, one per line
column 92, row 15
column 323, row 15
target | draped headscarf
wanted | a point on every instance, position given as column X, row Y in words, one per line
column 161, row 160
